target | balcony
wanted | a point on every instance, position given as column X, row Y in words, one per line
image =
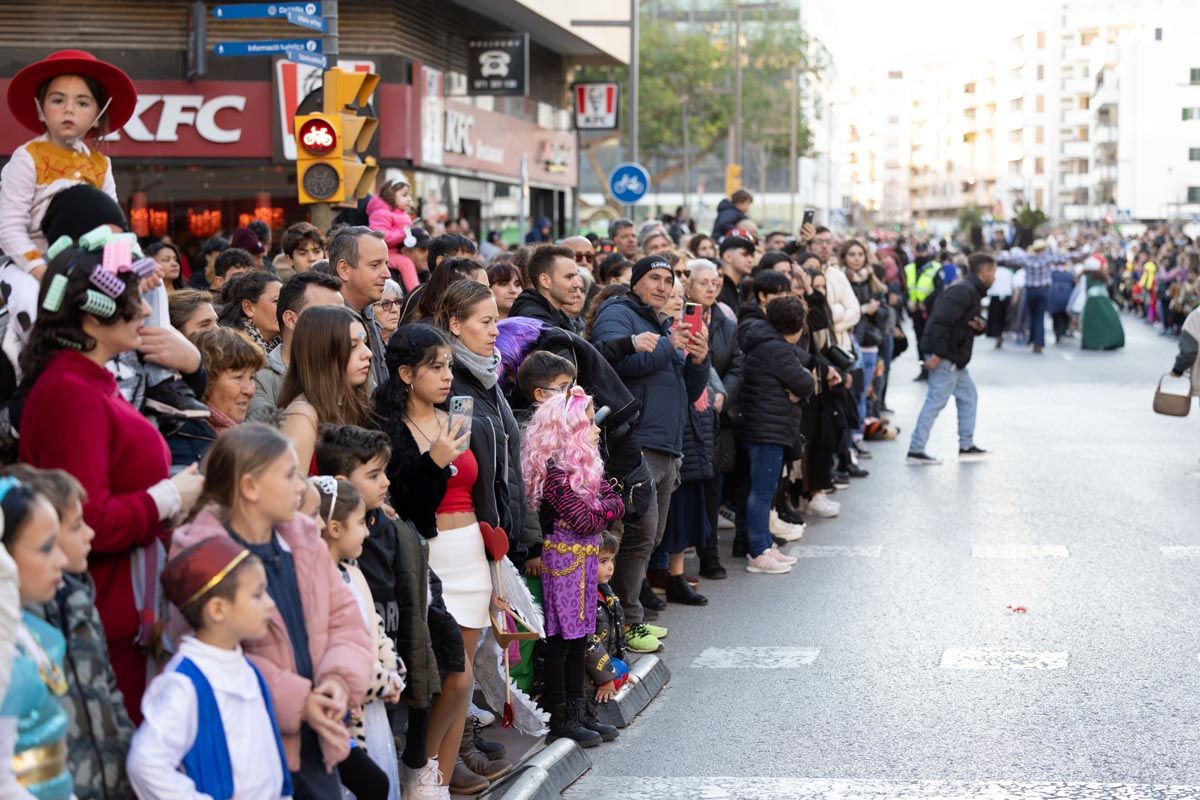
column 1104, row 134
column 1076, row 117
column 1077, row 180
column 1075, row 149
column 1106, row 94
column 1077, row 85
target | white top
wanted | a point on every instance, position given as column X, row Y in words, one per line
column 843, row 305
column 169, row 728
column 1003, row 285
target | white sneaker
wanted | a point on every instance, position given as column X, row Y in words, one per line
column 822, row 506
column 764, row 564
column 484, row 716
column 725, row 519
column 779, row 556
column 784, row 530
column 424, row 783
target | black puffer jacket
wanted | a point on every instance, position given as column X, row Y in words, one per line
column 723, row 348
column 728, row 216
column 499, row 492
column 947, row 334
column 530, row 303
column 699, row 438
column 772, row 369
column 871, row 329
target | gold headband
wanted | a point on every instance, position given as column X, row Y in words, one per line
column 220, row 576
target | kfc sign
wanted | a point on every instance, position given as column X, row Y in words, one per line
column 177, row 119
column 596, row 106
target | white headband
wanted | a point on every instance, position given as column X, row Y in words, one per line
column 328, row 485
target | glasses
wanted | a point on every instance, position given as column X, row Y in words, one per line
column 582, row 257
column 683, row 273
column 387, row 305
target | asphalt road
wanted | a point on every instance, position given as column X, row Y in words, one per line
column 896, row 668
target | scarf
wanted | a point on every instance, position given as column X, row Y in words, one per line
column 258, row 339
column 484, row 368
column 220, row 421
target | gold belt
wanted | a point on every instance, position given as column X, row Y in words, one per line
column 40, row 764
column 581, row 552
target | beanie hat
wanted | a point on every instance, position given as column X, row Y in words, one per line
column 76, row 210
column 736, row 243
column 247, row 240
column 644, row 265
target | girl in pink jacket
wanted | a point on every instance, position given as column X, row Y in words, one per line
column 316, row 656
column 388, row 213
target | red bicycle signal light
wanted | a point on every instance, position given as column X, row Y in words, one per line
column 317, row 137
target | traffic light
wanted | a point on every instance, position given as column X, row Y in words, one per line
column 319, row 170
column 345, row 95
column 733, row 178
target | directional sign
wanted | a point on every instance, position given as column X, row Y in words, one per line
column 304, row 57
column 629, row 183
column 304, row 20
column 265, row 10
column 267, row 47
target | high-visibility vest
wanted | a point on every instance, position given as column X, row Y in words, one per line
column 921, row 286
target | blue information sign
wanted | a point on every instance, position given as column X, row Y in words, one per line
column 267, row 47
column 305, row 57
column 306, row 20
column 265, row 10
column 629, row 183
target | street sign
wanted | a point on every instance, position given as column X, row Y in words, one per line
column 317, row 137
column 629, row 183
column 265, row 10
column 304, row 20
column 266, row 47
column 596, row 106
column 305, row 57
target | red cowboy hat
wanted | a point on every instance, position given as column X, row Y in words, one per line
column 25, row 84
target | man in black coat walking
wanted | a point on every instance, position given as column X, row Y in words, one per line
column 949, row 337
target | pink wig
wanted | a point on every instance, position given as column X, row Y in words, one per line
column 560, row 433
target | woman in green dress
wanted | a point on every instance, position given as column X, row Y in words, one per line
column 1101, row 323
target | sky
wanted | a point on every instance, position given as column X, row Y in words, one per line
column 892, row 34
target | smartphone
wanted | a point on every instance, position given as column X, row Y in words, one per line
column 809, row 215
column 692, row 316
column 462, row 407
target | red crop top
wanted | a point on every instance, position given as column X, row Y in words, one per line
column 458, row 487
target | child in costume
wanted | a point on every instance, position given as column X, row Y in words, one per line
column 607, row 670
column 208, row 726
column 564, row 479
column 33, row 722
column 65, row 98
column 371, row 771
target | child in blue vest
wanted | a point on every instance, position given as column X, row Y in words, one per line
column 208, row 718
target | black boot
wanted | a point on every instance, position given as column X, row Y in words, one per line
column 649, row 599
column 710, row 560
column 680, row 591
column 566, row 722
column 741, row 544
column 592, row 722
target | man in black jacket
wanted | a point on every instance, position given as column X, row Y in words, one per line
column 553, row 279
column 949, row 337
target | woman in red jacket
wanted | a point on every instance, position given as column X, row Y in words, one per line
column 91, row 311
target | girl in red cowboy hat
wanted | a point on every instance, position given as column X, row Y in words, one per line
column 65, row 98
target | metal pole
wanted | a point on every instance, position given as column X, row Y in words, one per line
column 793, row 161
column 633, row 80
column 322, row 213
column 737, row 83
column 687, row 157
column 829, row 167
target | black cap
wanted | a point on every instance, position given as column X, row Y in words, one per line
column 643, row 267
column 736, row 243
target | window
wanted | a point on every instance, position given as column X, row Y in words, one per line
column 1158, row 34
column 1041, row 40
column 1041, row 72
column 1191, row 113
column 1039, row 166
column 1194, row 154
column 1040, row 104
column 1015, row 105
column 1085, row 102
column 1195, row 75
column 1194, row 194
column 1039, row 135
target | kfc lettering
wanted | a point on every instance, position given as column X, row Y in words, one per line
column 176, row 119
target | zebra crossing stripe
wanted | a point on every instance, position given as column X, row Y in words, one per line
column 1014, row 551
column 996, row 658
column 756, row 657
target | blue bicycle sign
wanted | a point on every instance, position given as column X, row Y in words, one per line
column 629, row 183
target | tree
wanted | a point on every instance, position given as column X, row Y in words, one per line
column 687, row 73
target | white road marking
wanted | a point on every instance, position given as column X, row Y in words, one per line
column 1179, row 552
column 756, row 657
column 968, row 658
column 1019, row 551
column 836, row 551
column 608, row 787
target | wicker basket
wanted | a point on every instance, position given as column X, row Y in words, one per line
column 1170, row 403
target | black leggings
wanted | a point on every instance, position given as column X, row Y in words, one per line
column 363, row 777
column 415, row 739
column 563, row 670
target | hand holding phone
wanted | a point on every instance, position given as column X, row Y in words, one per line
column 693, row 317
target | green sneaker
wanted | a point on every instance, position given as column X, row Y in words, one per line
column 657, row 631
column 639, row 640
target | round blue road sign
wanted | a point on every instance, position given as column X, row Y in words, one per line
column 629, row 182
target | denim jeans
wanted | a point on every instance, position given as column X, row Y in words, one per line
column 766, row 465
column 868, row 368
column 1036, row 300
column 945, row 381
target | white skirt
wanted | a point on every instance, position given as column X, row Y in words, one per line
column 458, row 558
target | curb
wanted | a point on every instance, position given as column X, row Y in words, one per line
column 652, row 675
column 544, row 775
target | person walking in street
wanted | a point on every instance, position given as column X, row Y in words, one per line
column 949, row 337
column 1038, row 280
column 920, row 279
